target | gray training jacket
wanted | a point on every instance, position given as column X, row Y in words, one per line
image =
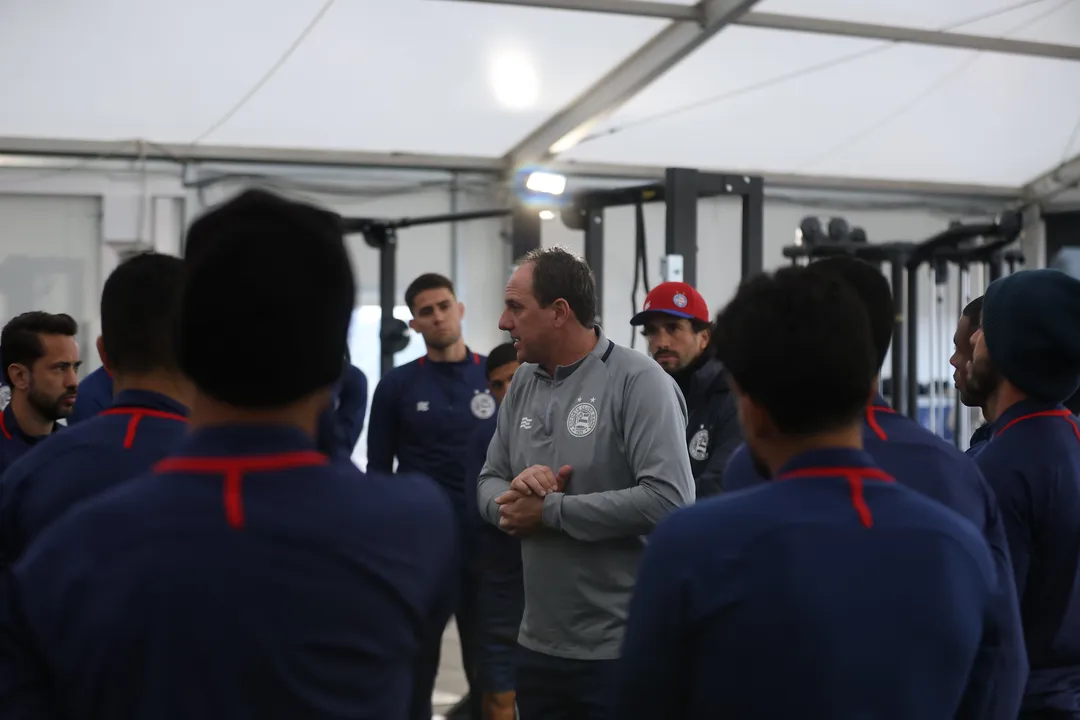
column 619, row 421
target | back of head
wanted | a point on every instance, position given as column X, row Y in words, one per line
column 872, row 289
column 20, row 341
column 798, row 345
column 558, row 274
column 1031, row 329
column 139, row 306
column 973, row 312
column 267, row 299
column 502, row 355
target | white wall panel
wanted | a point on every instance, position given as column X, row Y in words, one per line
column 49, row 255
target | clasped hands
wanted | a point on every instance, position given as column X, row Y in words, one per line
column 521, row 508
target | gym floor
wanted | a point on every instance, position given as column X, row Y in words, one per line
column 450, row 685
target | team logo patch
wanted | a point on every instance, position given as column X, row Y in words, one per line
column 699, row 445
column 679, row 300
column 482, row 405
column 582, row 419
column 5, row 396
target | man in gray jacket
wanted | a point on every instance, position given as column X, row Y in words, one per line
column 588, row 456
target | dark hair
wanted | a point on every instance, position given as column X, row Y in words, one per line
column 799, row 344
column 427, row 281
column 256, row 267
column 873, row 290
column 558, row 273
column 139, row 306
column 20, row 341
column 502, row 355
column 973, row 312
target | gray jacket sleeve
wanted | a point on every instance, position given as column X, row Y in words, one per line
column 496, row 475
column 654, row 432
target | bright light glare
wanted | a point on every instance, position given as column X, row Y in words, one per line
column 547, row 215
column 515, row 80
column 547, row 183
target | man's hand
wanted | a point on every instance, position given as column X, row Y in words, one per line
column 540, row 480
column 523, row 516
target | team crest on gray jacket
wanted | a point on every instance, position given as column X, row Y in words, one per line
column 581, row 419
column 699, row 445
column 482, row 405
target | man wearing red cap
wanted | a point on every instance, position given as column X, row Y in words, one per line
column 675, row 322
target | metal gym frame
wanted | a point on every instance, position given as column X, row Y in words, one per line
column 680, row 191
column 962, row 245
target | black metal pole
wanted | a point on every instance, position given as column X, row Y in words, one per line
column 387, row 293
column 681, row 198
column 896, row 273
column 753, row 229
column 911, row 378
column 594, row 254
column 524, row 231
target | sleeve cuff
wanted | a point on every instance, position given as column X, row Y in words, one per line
column 552, row 511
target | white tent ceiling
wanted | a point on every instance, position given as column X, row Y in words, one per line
column 476, row 78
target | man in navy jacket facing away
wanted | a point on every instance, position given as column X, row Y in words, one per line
column 423, row 414
column 496, row 559
column 924, row 462
column 138, row 318
column 247, row 576
column 1026, row 362
column 830, row 592
column 40, row 366
column 95, row 395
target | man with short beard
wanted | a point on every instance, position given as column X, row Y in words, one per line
column 41, row 365
column 675, row 320
column 1026, row 362
column 970, row 321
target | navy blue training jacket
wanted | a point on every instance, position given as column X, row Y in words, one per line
column 84, row 461
column 14, row 443
column 489, row 548
column 246, row 577
column 832, row 592
column 1032, row 462
column 424, row 414
column 95, row 395
column 928, row 464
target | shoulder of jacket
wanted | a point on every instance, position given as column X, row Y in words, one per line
column 632, row 363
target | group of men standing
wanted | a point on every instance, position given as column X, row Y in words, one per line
column 203, row 546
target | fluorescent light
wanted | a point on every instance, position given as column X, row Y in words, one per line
column 547, row 215
column 547, row 183
column 515, row 79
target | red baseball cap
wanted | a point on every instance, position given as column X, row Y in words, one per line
column 673, row 298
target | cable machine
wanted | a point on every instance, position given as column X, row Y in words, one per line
column 970, row 248
column 680, row 191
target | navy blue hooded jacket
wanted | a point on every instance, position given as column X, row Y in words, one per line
column 924, row 462
column 95, row 395
column 829, row 593
column 247, row 577
column 84, row 461
column 424, row 414
column 1032, row 462
column 14, row 443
